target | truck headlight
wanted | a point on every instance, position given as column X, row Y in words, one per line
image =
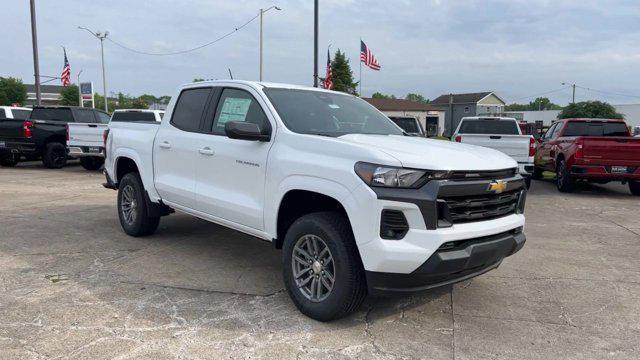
column 390, row 176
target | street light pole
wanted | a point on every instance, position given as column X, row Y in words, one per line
column 101, row 36
column 80, row 102
column 262, row 11
column 34, row 42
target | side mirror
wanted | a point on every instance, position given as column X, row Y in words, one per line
column 245, row 131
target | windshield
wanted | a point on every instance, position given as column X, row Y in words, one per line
column 62, row 114
column 330, row 114
column 481, row 126
column 599, row 128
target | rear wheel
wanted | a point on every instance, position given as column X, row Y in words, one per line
column 55, row 156
column 322, row 268
column 9, row 160
column 634, row 187
column 91, row 163
column 564, row 180
column 132, row 207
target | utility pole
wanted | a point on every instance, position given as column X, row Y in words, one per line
column 262, row 11
column 80, row 102
column 573, row 97
column 315, row 43
column 101, row 36
column 34, row 42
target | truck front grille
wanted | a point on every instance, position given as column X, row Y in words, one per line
column 463, row 209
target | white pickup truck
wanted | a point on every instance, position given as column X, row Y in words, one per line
column 502, row 134
column 85, row 140
column 356, row 206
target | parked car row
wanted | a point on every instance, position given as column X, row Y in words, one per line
column 55, row 133
column 588, row 150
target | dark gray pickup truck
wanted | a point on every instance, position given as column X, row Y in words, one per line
column 43, row 135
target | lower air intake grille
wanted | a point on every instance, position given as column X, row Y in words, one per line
column 393, row 225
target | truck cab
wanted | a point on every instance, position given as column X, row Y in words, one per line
column 356, row 205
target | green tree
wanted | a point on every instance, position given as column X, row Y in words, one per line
column 12, row 91
column 541, row 103
column 590, row 109
column 149, row 99
column 379, row 95
column 70, row 95
column 342, row 76
column 139, row 103
column 416, row 98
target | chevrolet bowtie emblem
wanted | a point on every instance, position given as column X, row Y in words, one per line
column 498, row 186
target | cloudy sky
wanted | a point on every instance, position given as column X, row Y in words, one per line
column 517, row 48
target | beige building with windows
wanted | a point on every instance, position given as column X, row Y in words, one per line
column 431, row 118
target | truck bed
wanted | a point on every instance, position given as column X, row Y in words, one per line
column 516, row 146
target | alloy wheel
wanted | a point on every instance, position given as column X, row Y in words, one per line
column 129, row 204
column 313, row 268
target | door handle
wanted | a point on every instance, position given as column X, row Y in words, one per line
column 165, row 145
column 206, row 151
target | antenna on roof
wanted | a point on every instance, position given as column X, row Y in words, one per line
column 230, row 74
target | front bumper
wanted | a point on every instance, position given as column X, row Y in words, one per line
column 452, row 262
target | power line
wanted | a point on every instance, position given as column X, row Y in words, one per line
column 606, row 92
column 540, row 94
column 187, row 50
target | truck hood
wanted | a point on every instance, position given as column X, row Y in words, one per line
column 422, row 153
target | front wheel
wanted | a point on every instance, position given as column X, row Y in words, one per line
column 322, row 270
column 9, row 160
column 537, row 173
column 55, row 156
column 634, row 187
column 91, row 163
column 564, row 180
column 132, row 207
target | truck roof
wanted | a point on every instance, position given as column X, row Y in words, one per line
column 137, row 110
column 592, row 119
column 488, row 118
column 255, row 84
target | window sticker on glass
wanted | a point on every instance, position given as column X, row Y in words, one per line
column 233, row 109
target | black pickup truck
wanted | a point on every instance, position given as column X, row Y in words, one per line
column 43, row 135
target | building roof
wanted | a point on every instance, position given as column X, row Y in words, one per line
column 399, row 105
column 468, row 98
column 53, row 89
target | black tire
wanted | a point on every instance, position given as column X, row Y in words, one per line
column 91, row 163
column 349, row 285
column 55, row 156
column 634, row 187
column 9, row 160
column 527, row 182
column 564, row 180
column 537, row 173
column 137, row 222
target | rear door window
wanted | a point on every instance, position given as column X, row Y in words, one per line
column 85, row 116
column 3, row 114
column 189, row 109
column 488, row 126
column 59, row 114
column 407, row 124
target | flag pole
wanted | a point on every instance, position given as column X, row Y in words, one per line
column 360, row 61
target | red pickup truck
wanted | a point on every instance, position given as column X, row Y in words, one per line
column 595, row 150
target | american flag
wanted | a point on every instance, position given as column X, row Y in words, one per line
column 65, row 77
column 328, row 83
column 366, row 56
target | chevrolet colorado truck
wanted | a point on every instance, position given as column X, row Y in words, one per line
column 502, row 134
column 593, row 150
column 356, row 206
column 86, row 140
column 43, row 134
